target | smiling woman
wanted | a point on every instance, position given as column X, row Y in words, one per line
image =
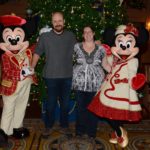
column 88, row 74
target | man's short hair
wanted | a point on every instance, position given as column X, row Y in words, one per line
column 57, row 12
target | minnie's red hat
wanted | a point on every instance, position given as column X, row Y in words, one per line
column 11, row 20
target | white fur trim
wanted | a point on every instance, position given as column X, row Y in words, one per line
column 120, row 29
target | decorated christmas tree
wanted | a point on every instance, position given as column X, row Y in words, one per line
column 97, row 13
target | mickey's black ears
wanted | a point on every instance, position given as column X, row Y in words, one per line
column 1, row 29
column 109, row 36
column 143, row 36
column 31, row 26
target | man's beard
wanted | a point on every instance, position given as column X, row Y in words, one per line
column 58, row 28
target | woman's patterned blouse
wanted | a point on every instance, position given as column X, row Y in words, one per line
column 88, row 73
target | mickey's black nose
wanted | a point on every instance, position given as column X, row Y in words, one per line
column 13, row 41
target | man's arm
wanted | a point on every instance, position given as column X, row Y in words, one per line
column 35, row 60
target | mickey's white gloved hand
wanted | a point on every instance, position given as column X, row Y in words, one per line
column 26, row 71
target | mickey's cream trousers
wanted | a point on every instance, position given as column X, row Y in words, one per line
column 15, row 106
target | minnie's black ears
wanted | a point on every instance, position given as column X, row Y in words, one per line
column 143, row 36
column 109, row 36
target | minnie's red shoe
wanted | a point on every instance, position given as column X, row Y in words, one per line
column 123, row 140
column 113, row 138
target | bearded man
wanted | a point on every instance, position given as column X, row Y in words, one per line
column 57, row 45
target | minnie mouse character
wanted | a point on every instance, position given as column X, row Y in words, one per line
column 117, row 99
column 17, row 76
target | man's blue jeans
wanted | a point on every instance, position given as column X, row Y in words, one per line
column 58, row 89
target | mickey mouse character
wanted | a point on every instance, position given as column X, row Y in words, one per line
column 17, row 76
column 117, row 100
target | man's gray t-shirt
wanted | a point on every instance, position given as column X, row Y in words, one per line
column 58, row 49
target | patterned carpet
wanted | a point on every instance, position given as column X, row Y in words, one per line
column 139, row 138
